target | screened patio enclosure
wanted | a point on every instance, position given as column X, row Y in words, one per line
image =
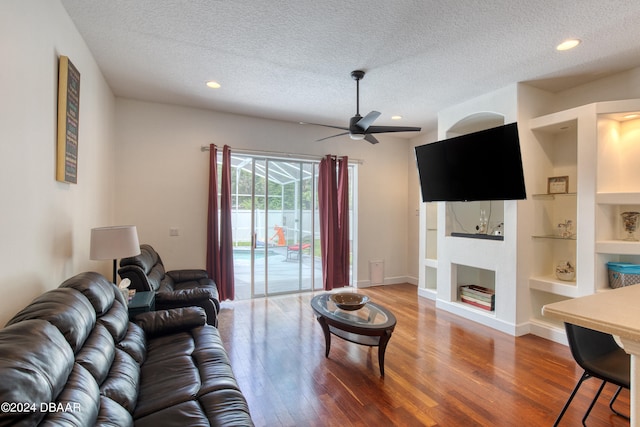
column 275, row 225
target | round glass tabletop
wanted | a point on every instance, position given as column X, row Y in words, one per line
column 371, row 315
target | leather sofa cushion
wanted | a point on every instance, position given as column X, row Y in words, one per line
column 35, row 364
column 163, row 322
column 107, row 302
column 95, row 287
column 66, row 309
column 166, row 384
column 97, row 353
column 226, row 407
column 219, row 408
column 134, row 343
column 79, row 402
column 147, row 258
column 113, row 415
column 212, row 361
column 182, row 367
column 122, row 382
column 116, row 320
column 184, row 292
column 149, row 262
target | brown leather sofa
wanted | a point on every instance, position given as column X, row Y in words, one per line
column 72, row 357
column 176, row 288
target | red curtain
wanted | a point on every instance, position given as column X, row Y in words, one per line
column 219, row 239
column 343, row 221
column 226, row 287
column 213, row 239
column 333, row 204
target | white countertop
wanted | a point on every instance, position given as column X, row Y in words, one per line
column 615, row 311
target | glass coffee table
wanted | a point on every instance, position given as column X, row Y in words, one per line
column 371, row 325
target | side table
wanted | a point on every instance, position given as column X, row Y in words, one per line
column 142, row 302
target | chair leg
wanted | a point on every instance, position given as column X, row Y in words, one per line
column 613, row 399
column 573, row 393
column 593, row 402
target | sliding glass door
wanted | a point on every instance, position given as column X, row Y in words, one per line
column 275, row 226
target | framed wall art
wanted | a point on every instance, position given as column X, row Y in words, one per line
column 68, row 121
column 558, row 185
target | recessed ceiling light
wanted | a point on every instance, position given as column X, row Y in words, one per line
column 213, row 85
column 396, row 117
column 632, row 116
column 568, row 44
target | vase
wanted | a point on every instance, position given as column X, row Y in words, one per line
column 630, row 223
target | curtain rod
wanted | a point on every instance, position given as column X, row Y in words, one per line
column 278, row 155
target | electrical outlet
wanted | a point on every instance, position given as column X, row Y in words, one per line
column 174, row 232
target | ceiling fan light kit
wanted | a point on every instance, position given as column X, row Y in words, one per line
column 361, row 127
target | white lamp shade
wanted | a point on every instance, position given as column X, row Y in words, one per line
column 114, row 242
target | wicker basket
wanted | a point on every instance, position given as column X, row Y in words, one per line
column 623, row 274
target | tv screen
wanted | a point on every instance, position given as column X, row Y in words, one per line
column 485, row 165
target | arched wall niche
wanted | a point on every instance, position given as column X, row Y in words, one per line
column 475, row 122
column 465, row 217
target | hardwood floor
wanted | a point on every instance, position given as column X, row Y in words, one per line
column 440, row 370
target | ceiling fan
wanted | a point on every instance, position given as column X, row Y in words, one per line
column 360, row 127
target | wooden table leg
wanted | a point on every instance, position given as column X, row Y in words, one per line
column 384, row 339
column 327, row 335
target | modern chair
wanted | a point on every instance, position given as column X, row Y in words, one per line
column 298, row 248
column 600, row 357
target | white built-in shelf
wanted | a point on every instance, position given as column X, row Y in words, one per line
column 555, row 122
column 553, row 236
column 430, row 262
column 618, row 198
column 554, row 285
column 622, row 247
column 552, row 196
column 475, row 309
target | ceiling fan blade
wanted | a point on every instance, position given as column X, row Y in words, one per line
column 384, row 129
column 332, row 136
column 367, row 120
column 372, row 139
column 326, row 126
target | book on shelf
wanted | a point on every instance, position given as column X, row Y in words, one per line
column 477, row 303
column 478, row 296
column 479, row 291
column 485, row 298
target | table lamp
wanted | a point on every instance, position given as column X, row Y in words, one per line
column 114, row 242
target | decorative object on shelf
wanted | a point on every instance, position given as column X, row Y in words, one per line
column 623, row 274
column 349, row 301
column 558, row 185
column 68, row 120
column 630, row 223
column 482, row 227
column 565, row 271
column 565, row 229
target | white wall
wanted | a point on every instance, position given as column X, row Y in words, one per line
column 45, row 225
column 415, row 200
column 161, row 178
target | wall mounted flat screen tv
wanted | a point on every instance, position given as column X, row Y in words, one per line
column 484, row 165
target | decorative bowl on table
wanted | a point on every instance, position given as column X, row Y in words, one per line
column 349, row 301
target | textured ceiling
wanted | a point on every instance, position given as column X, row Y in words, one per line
column 291, row 59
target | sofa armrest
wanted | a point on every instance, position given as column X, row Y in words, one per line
column 139, row 280
column 163, row 322
column 182, row 296
column 187, row 275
